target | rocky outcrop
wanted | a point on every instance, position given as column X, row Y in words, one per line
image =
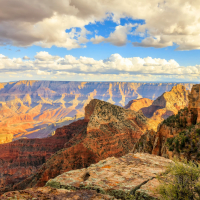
column 111, row 131
column 194, row 102
column 45, row 193
column 137, row 104
column 28, row 107
column 156, row 142
column 169, row 102
column 178, row 135
column 22, row 158
column 131, row 176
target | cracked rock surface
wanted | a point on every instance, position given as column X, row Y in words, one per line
column 48, row 193
column 128, row 177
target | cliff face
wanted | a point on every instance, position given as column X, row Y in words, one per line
column 194, row 101
column 132, row 176
column 28, row 107
column 178, row 135
column 136, row 105
column 111, row 131
column 44, row 193
column 168, row 104
column 21, row 158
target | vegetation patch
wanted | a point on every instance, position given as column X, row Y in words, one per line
column 180, row 182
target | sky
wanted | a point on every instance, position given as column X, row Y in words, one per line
column 100, row 40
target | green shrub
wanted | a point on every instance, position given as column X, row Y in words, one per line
column 177, row 144
column 180, row 182
column 170, row 141
column 141, row 144
column 171, row 148
column 187, row 139
column 182, row 145
column 198, row 131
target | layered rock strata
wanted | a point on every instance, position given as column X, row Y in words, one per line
column 137, row 104
column 45, row 193
column 22, row 158
column 168, row 104
column 28, row 107
column 178, row 135
column 107, row 130
column 131, row 176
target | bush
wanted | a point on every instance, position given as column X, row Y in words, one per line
column 170, row 140
column 177, row 144
column 171, row 148
column 187, row 139
column 180, row 182
column 182, row 145
column 198, row 131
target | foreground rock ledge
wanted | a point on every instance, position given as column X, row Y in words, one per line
column 129, row 177
column 48, row 193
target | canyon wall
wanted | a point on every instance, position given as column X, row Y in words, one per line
column 21, row 158
column 29, row 108
column 168, row 104
column 178, row 135
column 107, row 130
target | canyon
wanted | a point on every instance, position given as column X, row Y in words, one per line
column 178, row 135
column 166, row 105
column 83, row 158
column 107, row 130
column 132, row 176
column 35, row 109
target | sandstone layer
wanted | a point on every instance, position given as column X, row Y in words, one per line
column 21, row 158
column 168, row 104
column 28, row 107
column 178, row 135
column 137, row 104
column 107, row 130
column 48, row 193
column 132, row 176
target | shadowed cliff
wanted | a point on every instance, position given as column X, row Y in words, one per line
column 107, row 130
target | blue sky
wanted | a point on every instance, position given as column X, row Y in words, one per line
column 90, row 41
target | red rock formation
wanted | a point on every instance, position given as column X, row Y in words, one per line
column 137, row 104
column 21, row 158
column 194, row 102
column 27, row 105
column 182, row 128
column 45, row 193
column 168, row 104
column 111, row 131
column 172, row 101
column 132, row 176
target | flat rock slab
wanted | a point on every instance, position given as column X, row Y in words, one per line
column 48, row 193
column 124, row 178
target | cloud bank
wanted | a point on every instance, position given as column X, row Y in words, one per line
column 115, row 66
column 44, row 23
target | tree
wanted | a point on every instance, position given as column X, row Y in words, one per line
column 180, row 182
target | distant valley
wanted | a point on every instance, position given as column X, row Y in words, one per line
column 35, row 109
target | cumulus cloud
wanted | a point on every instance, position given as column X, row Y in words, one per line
column 26, row 58
column 118, row 37
column 45, row 56
column 45, row 22
column 115, row 65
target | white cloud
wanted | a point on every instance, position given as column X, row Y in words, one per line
column 26, row 58
column 115, row 66
column 118, row 37
column 45, row 56
column 44, row 23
